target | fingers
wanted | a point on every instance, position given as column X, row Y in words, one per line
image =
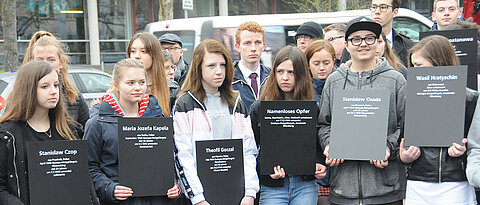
column 325, row 152
column 122, row 192
column 333, row 162
column 278, row 172
column 174, row 192
column 387, row 154
column 320, row 171
column 402, row 147
column 457, row 150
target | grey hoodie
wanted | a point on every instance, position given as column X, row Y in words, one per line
column 355, row 182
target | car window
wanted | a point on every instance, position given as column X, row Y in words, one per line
column 3, row 85
column 94, row 82
column 409, row 27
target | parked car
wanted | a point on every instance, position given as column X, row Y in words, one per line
column 91, row 83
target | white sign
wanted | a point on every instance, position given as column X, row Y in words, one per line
column 187, row 5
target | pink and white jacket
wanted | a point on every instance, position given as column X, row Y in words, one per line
column 191, row 124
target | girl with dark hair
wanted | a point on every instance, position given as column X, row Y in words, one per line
column 288, row 80
column 146, row 48
column 437, row 175
column 35, row 112
column 44, row 46
column 126, row 98
column 209, row 109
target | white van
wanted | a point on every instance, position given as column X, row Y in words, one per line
column 280, row 28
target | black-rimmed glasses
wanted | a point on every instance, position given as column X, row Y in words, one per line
column 383, row 7
column 369, row 40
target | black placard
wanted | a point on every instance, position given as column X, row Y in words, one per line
column 435, row 109
column 465, row 42
column 288, row 133
column 359, row 124
column 220, row 169
column 145, row 155
column 58, row 172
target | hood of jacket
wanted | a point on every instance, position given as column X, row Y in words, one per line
column 364, row 78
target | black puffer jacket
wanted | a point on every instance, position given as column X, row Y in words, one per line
column 434, row 164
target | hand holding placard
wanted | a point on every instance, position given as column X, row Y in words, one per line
column 410, row 155
column 247, row 200
column 382, row 163
column 122, row 192
column 278, row 172
column 331, row 162
column 457, row 150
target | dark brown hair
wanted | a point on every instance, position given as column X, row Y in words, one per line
column 303, row 89
column 22, row 101
column 193, row 82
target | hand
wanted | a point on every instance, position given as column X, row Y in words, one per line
column 247, row 200
column 382, row 163
column 456, row 150
column 278, row 172
column 320, row 171
column 122, row 192
column 202, row 203
column 174, row 192
column 410, row 155
column 331, row 162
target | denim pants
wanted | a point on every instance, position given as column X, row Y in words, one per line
column 295, row 191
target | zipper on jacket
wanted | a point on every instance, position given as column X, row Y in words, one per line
column 14, row 162
column 359, row 86
column 440, row 166
column 360, row 194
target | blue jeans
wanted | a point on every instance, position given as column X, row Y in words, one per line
column 295, row 191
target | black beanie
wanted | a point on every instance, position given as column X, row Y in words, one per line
column 311, row 29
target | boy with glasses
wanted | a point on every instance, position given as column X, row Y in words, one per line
column 383, row 12
column 335, row 35
column 307, row 33
column 365, row 182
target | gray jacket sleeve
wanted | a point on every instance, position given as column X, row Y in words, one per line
column 473, row 154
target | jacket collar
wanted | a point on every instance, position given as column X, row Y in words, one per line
column 238, row 76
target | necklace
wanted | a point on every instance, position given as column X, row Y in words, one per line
column 49, row 134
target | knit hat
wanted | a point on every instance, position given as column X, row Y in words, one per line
column 170, row 38
column 311, row 29
column 363, row 23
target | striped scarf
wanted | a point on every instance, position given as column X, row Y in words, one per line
column 108, row 98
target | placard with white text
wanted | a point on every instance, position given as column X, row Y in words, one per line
column 435, row 107
column 359, row 124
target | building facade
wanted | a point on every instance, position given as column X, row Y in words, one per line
column 119, row 20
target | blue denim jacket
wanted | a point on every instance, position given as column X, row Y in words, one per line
column 245, row 90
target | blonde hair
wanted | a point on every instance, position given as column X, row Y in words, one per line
column 22, row 101
column 44, row 38
column 118, row 70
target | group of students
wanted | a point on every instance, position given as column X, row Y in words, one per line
column 44, row 106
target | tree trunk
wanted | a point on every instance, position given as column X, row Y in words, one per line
column 166, row 10
column 9, row 24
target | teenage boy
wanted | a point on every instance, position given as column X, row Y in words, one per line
column 335, row 35
column 365, row 182
column 250, row 73
column 383, row 12
column 445, row 13
column 173, row 44
column 307, row 33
